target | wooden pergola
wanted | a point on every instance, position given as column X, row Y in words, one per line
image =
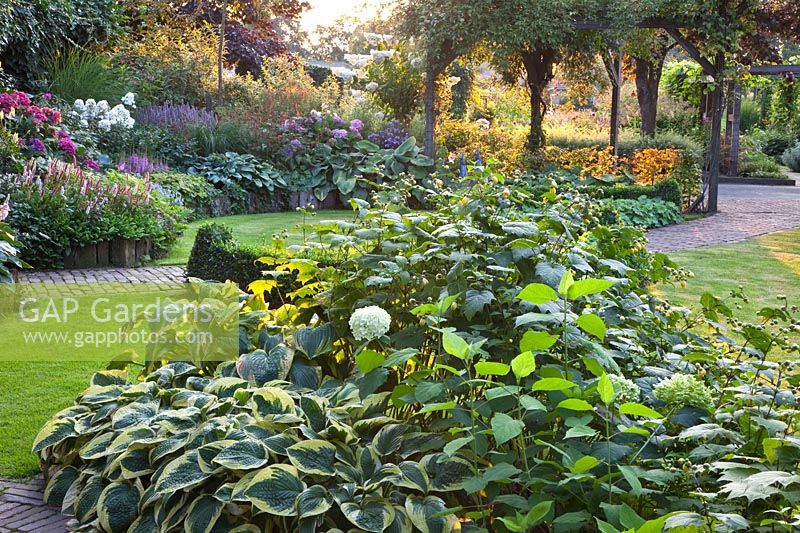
column 734, row 118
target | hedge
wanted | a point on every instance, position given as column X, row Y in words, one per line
column 217, row 256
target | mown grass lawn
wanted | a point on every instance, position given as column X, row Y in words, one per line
column 255, row 230
column 765, row 267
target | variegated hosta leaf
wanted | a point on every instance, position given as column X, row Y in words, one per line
column 97, row 447
column 275, row 489
column 208, row 452
column 425, row 514
column 181, row 473
column 203, row 514
column 135, row 462
column 315, row 341
column 371, row 515
column 55, row 431
column 412, row 476
column 145, row 523
column 59, row 484
column 118, row 506
column 168, row 446
column 243, row 455
column 389, row 439
column 128, row 437
column 271, row 401
column 86, row 503
column 446, row 473
column 313, row 408
column 313, row 501
column 401, row 523
column 304, row 375
column 96, row 395
column 313, row 457
column 260, row 367
column 110, row 377
column 225, row 387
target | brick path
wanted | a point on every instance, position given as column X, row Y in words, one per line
column 745, row 211
column 170, row 274
column 22, row 510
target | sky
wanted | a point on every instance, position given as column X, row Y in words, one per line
column 323, row 12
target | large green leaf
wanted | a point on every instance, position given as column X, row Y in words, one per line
column 313, row 457
column 587, row 287
column 59, row 484
column 428, row 514
column 536, row 341
column 53, row 432
column 523, row 365
column 315, row 341
column 86, row 503
column 593, row 325
column 537, row 293
column 243, row 455
column 313, row 501
column 118, row 507
column 203, row 514
column 180, row 473
column 505, row 428
column 269, row 401
column 275, row 489
column 371, row 515
column 260, row 367
column 446, row 473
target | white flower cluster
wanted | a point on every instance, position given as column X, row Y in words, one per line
column 103, row 116
column 626, row 390
column 379, row 56
column 370, row 323
column 358, row 60
column 682, row 390
column 342, row 73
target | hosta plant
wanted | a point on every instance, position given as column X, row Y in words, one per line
column 182, row 452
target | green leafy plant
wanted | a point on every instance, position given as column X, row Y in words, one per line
column 239, row 169
column 646, row 212
column 791, row 157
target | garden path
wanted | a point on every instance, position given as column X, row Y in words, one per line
column 22, row 509
column 167, row 274
column 745, row 211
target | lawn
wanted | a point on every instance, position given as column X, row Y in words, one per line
column 251, row 229
column 32, row 392
column 766, row 267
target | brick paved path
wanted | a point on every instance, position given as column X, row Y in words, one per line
column 22, row 510
column 168, row 274
column 745, row 211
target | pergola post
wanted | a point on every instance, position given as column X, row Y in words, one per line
column 733, row 128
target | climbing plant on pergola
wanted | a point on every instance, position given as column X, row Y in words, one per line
column 721, row 35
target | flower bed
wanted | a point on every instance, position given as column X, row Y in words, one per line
column 496, row 360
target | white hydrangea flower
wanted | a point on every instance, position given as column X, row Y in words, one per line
column 358, row 60
column 342, row 73
column 416, row 63
column 104, row 125
column 379, row 56
column 380, row 115
column 483, row 123
column 370, row 323
column 129, row 100
column 626, row 390
column 103, row 107
column 372, row 86
column 682, row 390
column 79, row 105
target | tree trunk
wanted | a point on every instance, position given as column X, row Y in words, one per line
column 430, row 113
column 613, row 64
column 648, row 78
column 539, row 72
column 221, row 51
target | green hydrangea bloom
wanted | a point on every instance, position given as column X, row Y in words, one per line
column 683, row 390
column 625, row 389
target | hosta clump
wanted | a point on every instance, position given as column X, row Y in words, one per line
column 178, row 450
